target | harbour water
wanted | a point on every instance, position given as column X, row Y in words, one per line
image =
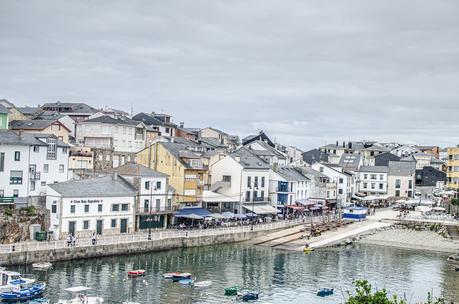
column 279, row 276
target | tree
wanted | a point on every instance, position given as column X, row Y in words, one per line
column 455, row 202
column 364, row 294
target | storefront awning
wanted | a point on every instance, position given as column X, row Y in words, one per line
column 186, row 212
column 261, row 209
column 306, row 202
column 295, row 207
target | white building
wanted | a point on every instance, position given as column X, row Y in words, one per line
column 373, row 180
column 287, row 186
column 343, row 181
column 118, row 134
column 104, row 205
column 267, row 153
column 28, row 162
column 240, row 184
column 154, row 199
column 401, row 179
column 405, row 150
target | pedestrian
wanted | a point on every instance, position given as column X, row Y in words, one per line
column 73, row 241
column 94, row 240
column 69, row 240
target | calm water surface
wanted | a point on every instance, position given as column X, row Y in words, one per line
column 279, row 276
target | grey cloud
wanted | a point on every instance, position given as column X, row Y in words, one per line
column 307, row 72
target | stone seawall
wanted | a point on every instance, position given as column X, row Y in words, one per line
column 85, row 252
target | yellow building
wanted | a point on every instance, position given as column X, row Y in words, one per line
column 54, row 127
column 453, row 168
column 187, row 172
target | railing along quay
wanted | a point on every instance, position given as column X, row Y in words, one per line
column 155, row 236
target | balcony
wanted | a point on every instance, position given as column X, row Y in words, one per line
column 34, row 176
column 156, row 210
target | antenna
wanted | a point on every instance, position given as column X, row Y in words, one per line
column 132, row 109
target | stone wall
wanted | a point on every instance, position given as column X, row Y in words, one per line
column 71, row 253
column 15, row 227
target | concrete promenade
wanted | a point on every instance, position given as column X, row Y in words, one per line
column 29, row 252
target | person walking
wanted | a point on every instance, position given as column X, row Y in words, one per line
column 69, row 240
column 93, row 239
column 73, row 241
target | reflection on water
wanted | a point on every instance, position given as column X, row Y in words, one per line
column 279, row 276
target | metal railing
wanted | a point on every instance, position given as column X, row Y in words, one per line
column 155, row 236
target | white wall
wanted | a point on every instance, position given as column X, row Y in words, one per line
column 404, row 185
column 341, row 179
column 366, row 177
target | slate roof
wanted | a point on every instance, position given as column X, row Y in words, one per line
column 8, row 137
column 315, row 155
column 95, row 187
column 3, row 109
column 216, row 130
column 402, row 168
column 350, row 161
column 30, row 124
column 74, row 107
column 29, row 110
column 268, row 149
column 177, row 150
column 110, row 120
column 310, row 171
column 213, row 142
column 248, row 160
column 150, row 120
column 290, row 174
column 50, row 115
column 134, row 169
column 374, row 169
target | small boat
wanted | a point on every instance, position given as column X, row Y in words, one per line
column 170, row 275
column 23, row 292
column 325, row 292
column 79, row 296
column 248, row 296
column 232, row 291
column 181, row 276
column 308, row 249
column 186, row 281
column 42, row 265
column 203, row 284
column 136, row 273
column 10, row 279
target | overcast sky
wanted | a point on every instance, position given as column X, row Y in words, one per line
column 306, row 72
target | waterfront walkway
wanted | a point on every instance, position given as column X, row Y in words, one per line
column 156, row 235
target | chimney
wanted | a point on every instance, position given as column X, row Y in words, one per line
column 344, row 144
column 349, row 145
column 182, row 124
column 337, row 143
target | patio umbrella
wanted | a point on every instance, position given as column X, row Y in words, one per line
column 194, row 216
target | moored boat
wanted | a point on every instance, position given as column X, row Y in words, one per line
column 325, row 292
column 23, row 292
column 248, row 296
column 186, row 281
column 203, row 284
column 79, row 296
column 170, row 275
column 181, row 276
column 42, row 265
column 39, row 301
column 232, row 291
column 136, row 273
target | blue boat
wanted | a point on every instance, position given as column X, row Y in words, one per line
column 21, row 293
column 186, row 281
column 325, row 292
column 248, row 296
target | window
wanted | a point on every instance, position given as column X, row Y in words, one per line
column 64, row 150
column 341, row 180
column 321, row 169
column 99, row 208
column 36, row 148
column 16, row 177
column 158, row 204
column 189, row 192
column 45, row 168
column 54, row 208
column 2, row 161
column 262, row 195
column 124, row 207
column 397, row 184
column 373, row 186
column 43, row 183
column 17, row 156
column 113, row 224
column 397, row 193
column 147, row 185
column 16, row 193
column 51, row 152
column 85, row 225
column 32, row 185
column 115, row 207
column 247, row 196
column 158, row 185
column 169, row 203
column 86, row 208
column 146, row 205
column 381, row 186
column 249, row 182
column 61, row 168
column 365, row 185
column 410, row 184
column 373, row 176
column 340, row 191
column 365, row 176
column 262, row 181
column 227, row 178
column 2, row 193
column 72, row 208
column 381, row 177
column 256, row 182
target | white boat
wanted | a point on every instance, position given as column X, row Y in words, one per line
column 9, row 279
column 42, row 265
column 79, row 296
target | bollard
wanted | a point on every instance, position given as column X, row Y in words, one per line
column 13, row 248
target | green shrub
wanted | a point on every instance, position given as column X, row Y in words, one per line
column 9, row 212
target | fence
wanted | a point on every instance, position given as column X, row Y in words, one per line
column 156, row 236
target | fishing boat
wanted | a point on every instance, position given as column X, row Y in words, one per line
column 42, row 265
column 232, row 291
column 12, row 278
column 78, row 296
column 170, row 275
column 248, row 296
column 20, row 292
column 181, row 276
column 325, row 292
column 136, row 273
column 40, row 301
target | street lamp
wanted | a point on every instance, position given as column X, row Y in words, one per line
column 149, row 217
column 255, row 188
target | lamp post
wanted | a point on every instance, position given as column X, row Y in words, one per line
column 149, row 217
column 255, row 188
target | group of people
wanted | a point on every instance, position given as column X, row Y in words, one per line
column 71, row 239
